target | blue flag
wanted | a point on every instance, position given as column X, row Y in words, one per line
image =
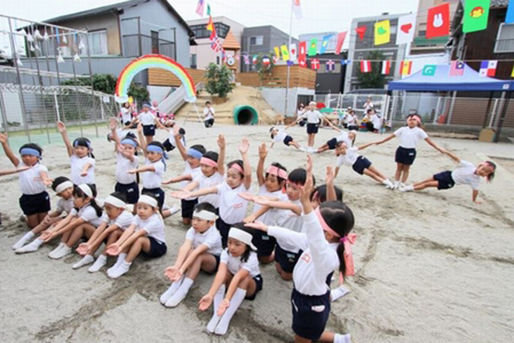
column 509, row 18
column 324, row 44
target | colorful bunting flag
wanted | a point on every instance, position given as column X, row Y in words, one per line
column 476, row 13
column 254, row 59
column 285, row 52
column 214, row 34
column 208, row 10
column 313, row 47
column 429, row 70
column 210, row 25
column 330, row 65
column 361, row 30
column 512, row 72
column 246, row 59
column 488, row 68
column 386, row 67
column 297, row 10
column 438, row 21
column 382, row 32
column 315, row 64
column 405, row 67
column 293, row 53
column 200, row 7
column 456, row 68
column 340, row 41
column 276, row 59
column 216, row 45
column 302, row 54
column 405, row 29
column 324, row 44
column 266, row 61
column 277, row 51
column 365, row 66
column 509, row 17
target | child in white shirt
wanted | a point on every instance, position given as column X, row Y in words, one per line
column 208, row 114
column 281, row 136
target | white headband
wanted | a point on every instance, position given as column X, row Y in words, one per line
column 115, row 202
column 204, row 214
column 242, row 236
column 146, row 199
column 86, row 189
column 62, row 186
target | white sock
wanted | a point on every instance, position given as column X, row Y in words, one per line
column 54, row 252
column 338, row 292
column 65, row 250
column 339, row 338
column 99, row 263
column 171, row 290
column 121, row 258
column 21, row 242
column 218, row 297
column 180, row 294
column 235, row 302
column 84, row 261
column 120, row 269
column 31, row 247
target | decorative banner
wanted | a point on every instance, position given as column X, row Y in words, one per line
column 345, row 62
column 330, row 65
column 277, row 51
column 429, row 70
column 512, row 72
column 382, row 32
column 210, row 25
column 208, row 10
column 285, row 53
column 509, row 18
column 456, row 68
column 200, row 7
column 361, row 30
column 488, row 68
column 406, row 28
column 386, row 67
column 340, row 41
column 405, row 67
column 365, row 66
column 276, row 59
column 324, row 43
column 313, row 47
column 214, row 34
column 266, row 61
column 246, row 59
column 476, row 13
column 297, row 10
column 254, row 59
column 293, row 53
column 153, row 61
column 315, row 64
column 302, row 54
column 438, row 21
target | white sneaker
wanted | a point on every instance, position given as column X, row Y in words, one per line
column 84, row 261
column 388, row 184
column 99, row 263
column 64, row 251
column 54, row 252
column 31, row 247
column 406, row 188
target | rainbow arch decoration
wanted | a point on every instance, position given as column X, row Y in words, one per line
column 153, row 61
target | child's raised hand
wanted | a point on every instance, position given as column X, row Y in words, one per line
column 205, row 302
column 263, row 151
column 221, row 142
column 82, row 249
column 3, row 138
column 258, row 226
column 61, row 127
column 308, row 167
column 113, row 249
column 113, row 123
column 329, row 178
column 244, row 146
column 139, row 128
column 176, row 129
column 223, row 307
column 307, row 188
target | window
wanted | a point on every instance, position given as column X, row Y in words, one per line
column 256, row 40
column 193, row 61
column 201, row 31
column 155, row 41
column 98, row 42
column 505, row 38
column 422, row 33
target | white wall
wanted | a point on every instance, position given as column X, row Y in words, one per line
column 276, row 98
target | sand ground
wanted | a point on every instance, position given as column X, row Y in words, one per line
column 430, row 266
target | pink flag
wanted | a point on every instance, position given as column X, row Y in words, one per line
column 340, row 41
column 199, row 7
column 457, row 68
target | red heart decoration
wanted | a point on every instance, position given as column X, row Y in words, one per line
column 406, row 27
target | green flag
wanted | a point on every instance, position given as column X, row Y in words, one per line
column 313, row 47
column 476, row 13
column 208, row 10
column 429, row 70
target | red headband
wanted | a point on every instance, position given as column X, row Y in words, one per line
column 237, row 167
column 274, row 170
column 208, row 162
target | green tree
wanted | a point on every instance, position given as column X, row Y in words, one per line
column 218, row 80
column 138, row 92
column 101, row 82
column 373, row 79
column 264, row 69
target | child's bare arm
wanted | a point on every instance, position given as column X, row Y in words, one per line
column 260, row 166
column 178, row 142
column 221, row 156
column 62, row 130
column 8, row 152
column 247, row 167
column 388, row 138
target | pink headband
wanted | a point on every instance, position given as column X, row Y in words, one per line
column 208, row 162
column 237, row 167
column 416, row 118
column 274, row 170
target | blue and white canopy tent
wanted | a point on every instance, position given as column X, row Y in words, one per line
column 470, row 81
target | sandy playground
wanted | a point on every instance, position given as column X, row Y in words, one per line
column 430, row 266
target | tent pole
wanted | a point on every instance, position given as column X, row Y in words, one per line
column 450, row 113
column 489, row 103
column 502, row 117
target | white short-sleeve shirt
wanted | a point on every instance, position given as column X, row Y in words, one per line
column 77, row 164
column 269, row 218
column 234, row 264
column 125, row 115
column 313, row 117
column 208, row 113
column 409, row 137
column 232, row 207
column 30, row 179
column 123, row 165
column 211, row 238
column 349, row 158
column 123, row 221
column 280, row 136
column 194, row 172
column 209, row 181
column 153, row 179
column 87, row 214
column 146, row 118
column 64, row 205
column 464, row 174
column 154, row 226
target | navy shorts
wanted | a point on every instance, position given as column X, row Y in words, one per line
column 157, row 193
column 127, row 123
column 353, row 127
column 264, row 243
column 312, row 128
column 286, row 259
column 332, row 143
column 131, row 191
column 223, row 228
column 287, row 140
column 258, row 288
column 405, row 156
column 157, row 248
column 167, row 145
column 35, row 203
column 208, row 122
column 149, row 130
column 310, row 314
column 361, row 164
column 302, row 122
column 188, row 207
column 444, row 180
